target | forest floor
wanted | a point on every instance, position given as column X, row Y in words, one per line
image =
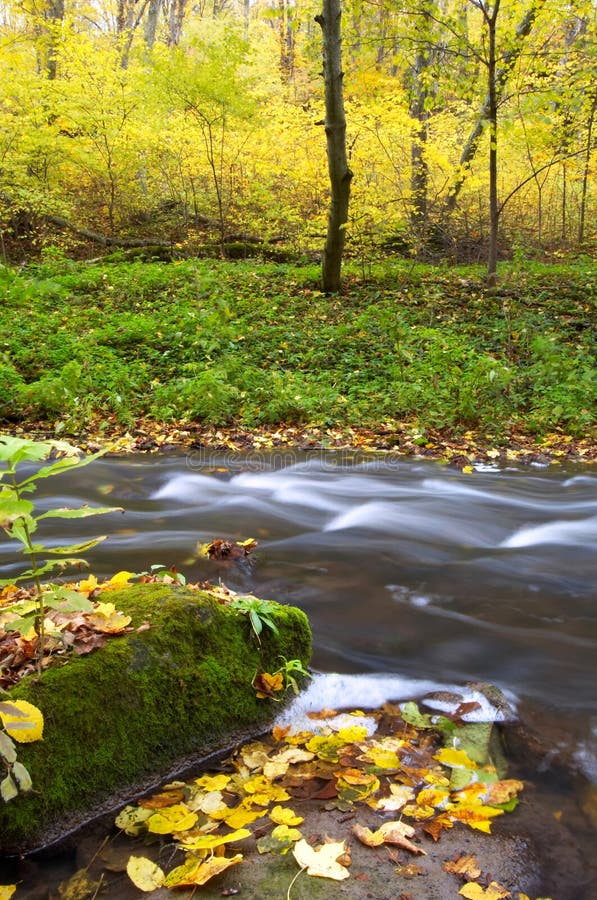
column 249, row 356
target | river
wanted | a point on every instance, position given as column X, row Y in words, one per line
column 405, row 568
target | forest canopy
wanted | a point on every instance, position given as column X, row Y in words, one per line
column 201, row 125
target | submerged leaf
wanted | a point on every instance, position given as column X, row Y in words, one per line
column 144, row 873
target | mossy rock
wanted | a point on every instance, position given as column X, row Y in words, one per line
column 145, row 706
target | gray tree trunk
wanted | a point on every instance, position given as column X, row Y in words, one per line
column 335, row 130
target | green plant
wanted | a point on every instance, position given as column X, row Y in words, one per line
column 19, row 522
column 258, row 611
column 289, row 670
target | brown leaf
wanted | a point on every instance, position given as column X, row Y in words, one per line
column 466, row 867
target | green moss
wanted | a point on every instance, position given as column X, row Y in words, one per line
column 142, row 704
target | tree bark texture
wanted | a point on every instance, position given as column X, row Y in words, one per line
column 335, row 129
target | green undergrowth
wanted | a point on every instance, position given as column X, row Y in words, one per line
column 144, row 703
column 255, row 344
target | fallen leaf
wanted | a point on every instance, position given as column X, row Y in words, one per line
column 474, row 891
column 280, row 840
column 79, row 887
column 210, row 841
column 466, row 867
column 321, row 862
column 282, row 815
column 144, row 873
column 7, row 890
column 172, row 819
column 194, row 872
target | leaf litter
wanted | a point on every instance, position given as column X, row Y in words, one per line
column 389, row 790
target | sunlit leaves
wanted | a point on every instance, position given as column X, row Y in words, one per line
column 171, row 819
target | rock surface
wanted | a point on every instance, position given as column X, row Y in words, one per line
column 124, row 718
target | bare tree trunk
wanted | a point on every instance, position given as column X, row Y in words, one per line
column 151, row 22
column 419, row 111
column 335, row 130
column 494, row 211
column 586, row 172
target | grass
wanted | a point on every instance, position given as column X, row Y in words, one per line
column 255, row 344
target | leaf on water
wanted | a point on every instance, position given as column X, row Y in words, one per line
column 283, row 815
column 474, row 891
column 366, row 836
column 7, row 890
column 281, row 840
column 322, row 862
column 144, row 874
column 23, row 729
column 79, row 887
column 400, row 794
column 454, row 758
column 132, row 820
column 196, row 873
column 212, row 782
column 172, row 819
column 210, row 841
column 465, row 867
column 163, row 800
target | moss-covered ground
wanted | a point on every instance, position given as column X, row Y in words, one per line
column 145, row 703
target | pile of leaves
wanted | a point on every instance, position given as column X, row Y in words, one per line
column 395, row 783
column 85, row 627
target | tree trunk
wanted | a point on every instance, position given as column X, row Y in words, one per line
column 509, row 60
column 151, row 22
column 494, row 212
column 335, row 129
column 419, row 111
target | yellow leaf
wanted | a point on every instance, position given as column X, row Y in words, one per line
column 458, row 759
column 212, row 782
column 322, row 861
column 87, row 585
column 7, row 890
column 144, row 873
column 240, row 816
column 366, row 836
column 78, row 887
column 120, row 579
column 22, row 728
column 284, row 816
column 106, row 619
column 383, row 759
column 263, row 791
column 132, row 819
column 432, row 797
column 474, row 891
column 171, row 819
column 209, row 841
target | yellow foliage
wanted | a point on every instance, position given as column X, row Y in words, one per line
column 22, row 721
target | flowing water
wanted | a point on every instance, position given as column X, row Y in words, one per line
column 405, row 568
